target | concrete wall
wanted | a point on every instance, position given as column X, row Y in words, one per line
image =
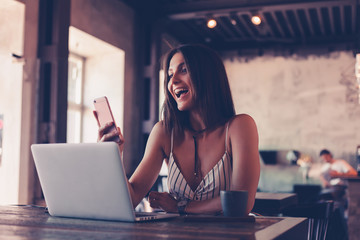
column 303, row 103
column 11, row 41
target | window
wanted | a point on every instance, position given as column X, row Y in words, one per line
column 75, row 103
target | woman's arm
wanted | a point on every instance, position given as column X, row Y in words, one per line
column 148, row 170
column 146, row 173
column 245, row 154
column 210, row 206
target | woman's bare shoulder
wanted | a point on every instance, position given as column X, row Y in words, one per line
column 242, row 121
column 242, row 129
column 161, row 136
column 159, row 130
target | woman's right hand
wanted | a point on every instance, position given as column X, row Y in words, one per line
column 105, row 134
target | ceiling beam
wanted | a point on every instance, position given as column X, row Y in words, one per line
column 192, row 9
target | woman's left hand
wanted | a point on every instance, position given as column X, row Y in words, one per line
column 163, row 200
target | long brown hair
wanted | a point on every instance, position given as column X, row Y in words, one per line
column 211, row 88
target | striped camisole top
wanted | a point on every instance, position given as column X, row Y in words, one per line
column 217, row 179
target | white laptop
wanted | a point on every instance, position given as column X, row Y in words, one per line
column 86, row 180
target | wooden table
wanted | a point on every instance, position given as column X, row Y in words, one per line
column 273, row 203
column 28, row 222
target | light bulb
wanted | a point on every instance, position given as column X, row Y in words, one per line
column 211, row 23
column 256, row 20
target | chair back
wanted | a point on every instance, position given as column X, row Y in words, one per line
column 318, row 214
column 307, row 193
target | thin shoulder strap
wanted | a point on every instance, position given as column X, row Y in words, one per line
column 172, row 140
column 226, row 134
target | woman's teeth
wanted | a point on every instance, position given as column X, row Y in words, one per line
column 179, row 92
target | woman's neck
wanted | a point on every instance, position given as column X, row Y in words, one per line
column 196, row 122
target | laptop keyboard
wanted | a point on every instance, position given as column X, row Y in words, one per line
column 145, row 214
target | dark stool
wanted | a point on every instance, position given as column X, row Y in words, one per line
column 318, row 215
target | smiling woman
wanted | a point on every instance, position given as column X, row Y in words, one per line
column 206, row 146
column 209, row 85
column 179, row 84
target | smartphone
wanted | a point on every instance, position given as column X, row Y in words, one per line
column 104, row 114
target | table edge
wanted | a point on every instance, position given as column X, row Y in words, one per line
column 277, row 229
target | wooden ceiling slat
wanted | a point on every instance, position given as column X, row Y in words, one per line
column 283, row 24
column 353, row 14
column 247, row 21
column 264, row 29
column 342, row 19
column 298, row 24
column 242, row 23
column 293, row 23
column 212, row 34
column 221, row 34
column 357, row 25
column 347, row 19
column 240, row 26
column 196, row 29
column 221, row 25
column 309, row 21
column 321, row 22
column 291, row 29
column 331, row 19
column 273, row 25
column 225, row 23
column 315, row 23
column 337, row 20
column 304, row 24
column 237, row 29
column 330, row 22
